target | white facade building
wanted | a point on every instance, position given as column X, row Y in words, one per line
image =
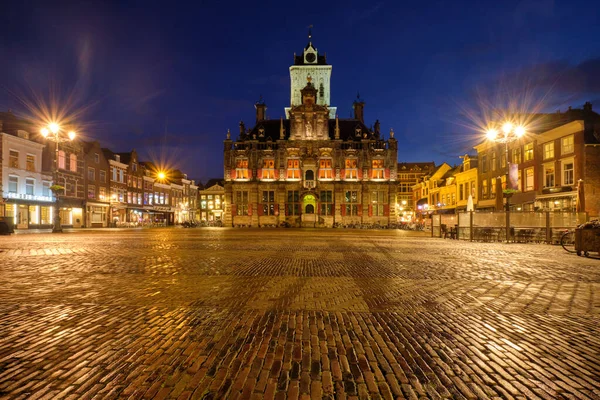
column 25, row 189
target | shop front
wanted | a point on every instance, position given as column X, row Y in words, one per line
column 28, row 211
column 71, row 213
column 96, row 215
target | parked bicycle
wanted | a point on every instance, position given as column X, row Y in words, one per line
column 567, row 240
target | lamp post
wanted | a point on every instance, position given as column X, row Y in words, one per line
column 54, row 133
column 510, row 133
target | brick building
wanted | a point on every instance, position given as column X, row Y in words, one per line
column 97, row 186
column 312, row 168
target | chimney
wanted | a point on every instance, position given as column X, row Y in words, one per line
column 587, row 106
column 261, row 110
column 359, row 107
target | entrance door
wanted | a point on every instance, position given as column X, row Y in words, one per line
column 23, row 217
column 309, row 209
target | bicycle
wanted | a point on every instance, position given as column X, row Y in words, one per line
column 567, row 241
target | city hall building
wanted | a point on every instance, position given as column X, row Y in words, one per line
column 311, row 169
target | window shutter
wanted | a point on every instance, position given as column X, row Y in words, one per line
column 343, row 210
column 259, row 172
column 360, row 174
column 233, row 171
column 234, row 209
column 276, row 209
column 260, row 210
column 276, row 174
column 370, row 210
column 386, row 210
column 249, row 208
column 360, row 210
column 387, row 173
column 343, row 173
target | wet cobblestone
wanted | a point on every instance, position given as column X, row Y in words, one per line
column 294, row 314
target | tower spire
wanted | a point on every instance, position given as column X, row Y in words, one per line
column 310, row 33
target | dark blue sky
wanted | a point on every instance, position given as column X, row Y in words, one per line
column 170, row 81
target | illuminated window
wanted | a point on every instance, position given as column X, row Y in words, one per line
column 568, row 173
column 516, row 156
column 61, row 159
column 529, row 181
column 377, row 171
column 351, row 168
column 484, row 189
column 13, row 159
column 268, row 169
column 241, row 202
column 548, row 176
column 292, row 206
column 528, row 149
column 29, row 186
column 73, row 163
column 102, row 193
column 377, row 202
column 293, row 169
column 493, row 188
column 268, row 202
column 326, row 200
column 325, row 171
column 351, row 200
column 241, row 168
column 493, row 161
column 30, row 163
column 91, row 192
column 548, row 150
column 567, row 145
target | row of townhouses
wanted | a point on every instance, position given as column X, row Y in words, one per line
column 558, row 153
column 101, row 188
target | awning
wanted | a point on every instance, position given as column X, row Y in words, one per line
column 556, row 195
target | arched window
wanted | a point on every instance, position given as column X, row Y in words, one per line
column 310, row 209
column 309, row 175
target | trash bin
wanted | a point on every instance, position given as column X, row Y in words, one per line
column 587, row 240
column 6, row 226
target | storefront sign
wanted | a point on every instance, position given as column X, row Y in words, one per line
column 22, row 196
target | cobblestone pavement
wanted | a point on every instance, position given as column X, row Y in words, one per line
column 287, row 314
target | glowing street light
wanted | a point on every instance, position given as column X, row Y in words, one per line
column 161, row 175
column 510, row 133
column 53, row 132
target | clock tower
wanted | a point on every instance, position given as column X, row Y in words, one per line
column 310, row 64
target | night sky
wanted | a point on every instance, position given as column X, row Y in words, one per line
column 169, row 81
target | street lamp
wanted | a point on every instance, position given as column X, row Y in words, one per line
column 54, row 133
column 510, row 133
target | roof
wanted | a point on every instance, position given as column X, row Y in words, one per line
column 214, row 181
column 416, row 166
column 271, row 128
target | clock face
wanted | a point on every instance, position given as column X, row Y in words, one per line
column 310, row 57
